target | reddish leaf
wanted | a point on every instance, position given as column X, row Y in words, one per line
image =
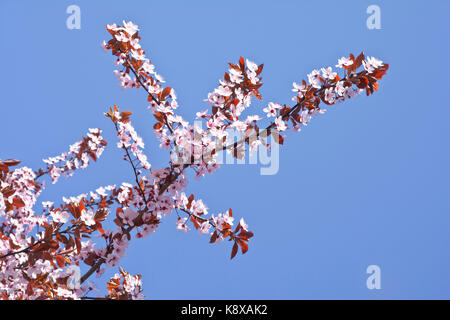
column 13, row 245
column 191, row 198
column 235, row 102
column 18, row 202
column 118, row 222
column 352, row 57
column 260, row 68
column 126, row 113
column 242, row 63
column 257, row 94
column 165, row 92
column 93, row 156
column 101, row 214
column 359, row 61
column 363, row 83
column 226, row 77
column 125, row 116
column 11, row 162
column 29, row 290
column 4, row 168
column 60, row 261
column 233, row 66
column 196, row 224
column 74, row 211
column 78, row 244
column 234, row 250
column 246, row 234
column 91, row 258
column 48, row 232
column 158, row 125
column 214, row 237
column 159, row 116
column 81, row 206
column 380, row 72
column 244, row 246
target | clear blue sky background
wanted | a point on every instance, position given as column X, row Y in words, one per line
column 367, row 183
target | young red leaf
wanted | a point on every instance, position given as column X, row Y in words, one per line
column 18, row 202
column 234, row 250
column 260, row 68
column 242, row 63
column 158, row 125
column 60, row 261
column 11, row 162
column 165, row 92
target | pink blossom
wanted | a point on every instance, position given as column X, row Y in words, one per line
column 340, row 88
column 243, row 224
column 223, row 91
column 181, row 224
column 60, row 216
column 202, row 115
column 128, row 215
column 130, row 28
column 146, row 230
column 204, row 227
column 251, row 65
column 121, row 37
column 344, row 62
column 271, row 109
column 148, row 67
column 47, row 204
column 102, row 191
column 251, row 119
column 138, row 54
column 280, row 124
column 87, row 217
column 330, row 95
column 328, row 73
column 222, row 219
column 300, row 90
column 313, row 78
column 372, row 63
column 239, row 125
column 199, row 208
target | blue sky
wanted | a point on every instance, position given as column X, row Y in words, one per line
column 366, row 183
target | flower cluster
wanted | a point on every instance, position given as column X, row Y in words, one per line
column 128, row 138
column 33, row 262
column 78, row 156
column 327, row 86
column 123, row 286
column 222, row 224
